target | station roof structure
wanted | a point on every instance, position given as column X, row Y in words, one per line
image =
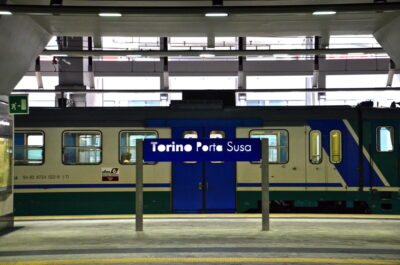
column 27, row 30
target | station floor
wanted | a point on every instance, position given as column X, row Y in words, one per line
column 203, row 239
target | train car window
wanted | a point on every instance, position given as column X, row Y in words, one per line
column 315, row 147
column 28, row 148
column 278, row 144
column 385, row 136
column 5, row 167
column 127, row 144
column 336, row 146
column 217, row 135
column 82, row 148
column 190, row 135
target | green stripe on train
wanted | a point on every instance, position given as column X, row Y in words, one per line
column 345, row 201
column 73, row 203
column 82, row 203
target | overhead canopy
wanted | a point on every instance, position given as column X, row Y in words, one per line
column 186, row 18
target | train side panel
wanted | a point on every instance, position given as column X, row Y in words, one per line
column 56, row 188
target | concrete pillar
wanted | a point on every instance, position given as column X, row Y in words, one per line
column 164, row 82
column 388, row 36
column 73, row 71
column 22, row 40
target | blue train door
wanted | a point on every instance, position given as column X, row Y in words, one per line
column 203, row 186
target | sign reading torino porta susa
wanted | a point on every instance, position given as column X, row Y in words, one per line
column 236, row 149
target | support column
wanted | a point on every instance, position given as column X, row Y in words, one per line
column 241, row 97
column 265, row 184
column 164, row 97
column 242, row 60
column 22, row 40
column 139, row 186
column 388, row 37
column 38, row 74
column 312, row 98
column 391, row 73
column 73, row 71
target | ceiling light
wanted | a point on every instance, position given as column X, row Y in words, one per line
column 323, row 13
column 216, row 14
column 206, row 55
column 6, row 13
column 110, row 14
column 281, row 55
column 59, row 55
column 355, row 53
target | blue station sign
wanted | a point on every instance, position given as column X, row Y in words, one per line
column 236, row 149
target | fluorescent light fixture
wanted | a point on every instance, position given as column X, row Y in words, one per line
column 5, row 13
column 324, row 13
column 59, row 55
column 281, row 55
column 216, row 14
column 206, row 55
column 355, row 53
column 110, row 14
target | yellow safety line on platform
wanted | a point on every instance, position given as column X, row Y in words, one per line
column 21, row 218
column 198, row 260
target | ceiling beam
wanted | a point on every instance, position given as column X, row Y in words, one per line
column 200, row 10
column 272, row 90
column 152, row 53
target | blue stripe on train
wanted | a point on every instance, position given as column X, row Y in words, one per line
column 77, row 186
column 165, row 185
column 291, row 185
column 348, row 167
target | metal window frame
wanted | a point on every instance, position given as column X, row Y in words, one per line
column 78, row 147
column 120, row 146
column 27, row 147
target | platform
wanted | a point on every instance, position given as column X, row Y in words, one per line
column 203, row 239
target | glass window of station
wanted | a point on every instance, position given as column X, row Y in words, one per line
column 278, row 144
column 28, row 148
column 127, row 146
column 83, row 147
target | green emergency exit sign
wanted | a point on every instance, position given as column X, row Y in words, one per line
column 18, row 104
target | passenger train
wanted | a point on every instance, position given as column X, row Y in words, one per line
column 323, row 159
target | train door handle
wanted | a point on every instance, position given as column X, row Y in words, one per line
column 206, row 185
column 200, row 186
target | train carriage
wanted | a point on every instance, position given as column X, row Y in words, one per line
column 322, row 159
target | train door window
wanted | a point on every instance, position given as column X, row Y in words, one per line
column 217, row 135
column 315, row 147
column 127, row 144
column 336, row 146
column 28, row 148
column 278, row 144
column 385, row 136
column 5, row 167
column 190, row 135
column 82, row 148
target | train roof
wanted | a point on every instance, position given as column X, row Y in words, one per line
column 137, row 116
